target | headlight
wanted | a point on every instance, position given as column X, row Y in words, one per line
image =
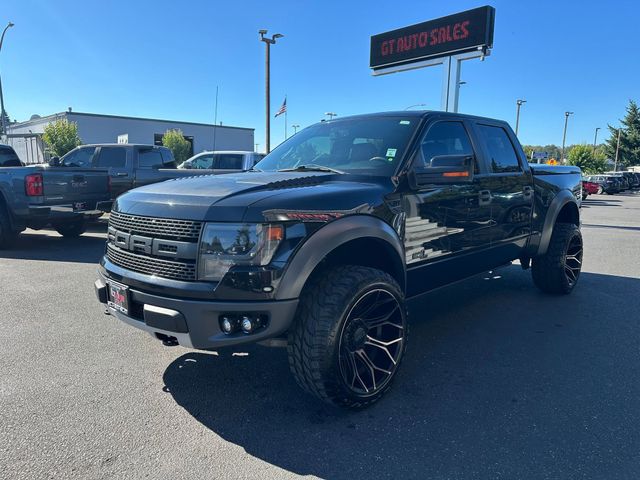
column 224, row 245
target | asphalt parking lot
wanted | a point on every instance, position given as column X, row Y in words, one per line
column 499, row 381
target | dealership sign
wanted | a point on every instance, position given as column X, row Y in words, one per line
column 467, row 31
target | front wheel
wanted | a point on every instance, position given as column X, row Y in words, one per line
column 558, row 270
column 349, row 336
column 72, row 230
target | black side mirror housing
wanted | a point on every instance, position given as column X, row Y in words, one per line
column 54, row 162
column 443, row 169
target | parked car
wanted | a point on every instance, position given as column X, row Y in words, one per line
column 38, row 196
column 223, row 161
column 632, row 179
column 335, row 230
column 129, row 165
column 607, row 183
column 621, row 179
column 589, row 188
column 8, row 157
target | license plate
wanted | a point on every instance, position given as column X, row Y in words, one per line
column 79, row 206
column 119, row 297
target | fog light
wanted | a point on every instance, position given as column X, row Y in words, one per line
column 247, row 325
column 228, row 325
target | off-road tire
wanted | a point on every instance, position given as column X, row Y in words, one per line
column 549, row 270
column 7, row 235
column 314, row 340
column 71, row 230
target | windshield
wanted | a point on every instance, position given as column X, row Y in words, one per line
column 371, row 146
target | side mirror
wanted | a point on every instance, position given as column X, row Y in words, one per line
column 443, row 169
column 54, row 162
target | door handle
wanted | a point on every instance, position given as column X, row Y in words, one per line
column 120, row 174
column 484, row 197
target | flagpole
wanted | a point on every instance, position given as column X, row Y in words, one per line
column 285, row 124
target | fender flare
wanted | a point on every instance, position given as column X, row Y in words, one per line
column 327, row 239
column 563, row 198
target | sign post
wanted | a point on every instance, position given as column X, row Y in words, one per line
column 446, row 41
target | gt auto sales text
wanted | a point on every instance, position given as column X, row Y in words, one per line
column 436, row 36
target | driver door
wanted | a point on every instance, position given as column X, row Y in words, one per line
column 447, row 226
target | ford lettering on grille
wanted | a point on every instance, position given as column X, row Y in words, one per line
column 163, row 247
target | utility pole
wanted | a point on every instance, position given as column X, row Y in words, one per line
column 268, row 42
column 3, row 114
column 615, row 163
column 519, row 103
column 595, row 140
column 564, row 135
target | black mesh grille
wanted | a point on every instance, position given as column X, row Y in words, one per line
column 151, row 265
column 157, row 227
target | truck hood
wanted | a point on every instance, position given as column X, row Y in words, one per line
column 246, row 196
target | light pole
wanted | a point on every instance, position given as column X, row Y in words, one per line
column 2, row 112
column 564, row 135
column 268, row 42
column 595, row 139
column 330, row 115
column 295, row 128
column 615, row 164
column 416, row 105
column 519, row 103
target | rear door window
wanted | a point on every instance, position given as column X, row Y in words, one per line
column 229, row 161
column 150, row 158
column 112, row 157
column 502, row 155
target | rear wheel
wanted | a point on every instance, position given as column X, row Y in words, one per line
column 558, row 270
column 72, row 230
column 7, row 234
column 349, row 336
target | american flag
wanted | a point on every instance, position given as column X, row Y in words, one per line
column 283, row 108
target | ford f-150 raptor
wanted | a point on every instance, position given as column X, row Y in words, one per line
column 326, row 239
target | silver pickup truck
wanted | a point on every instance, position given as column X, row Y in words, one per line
column 38, row 196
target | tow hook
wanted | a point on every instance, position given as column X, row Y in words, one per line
column 166, row 340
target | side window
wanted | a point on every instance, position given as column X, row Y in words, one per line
column 149, row 158
column 229, row 161
column 112, row 157
column 80, row 157
column 203, row 161
column 501, row 152
column 445, row 138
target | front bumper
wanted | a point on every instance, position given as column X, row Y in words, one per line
column 195, row 323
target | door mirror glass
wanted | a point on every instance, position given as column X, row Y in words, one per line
column 54, row 162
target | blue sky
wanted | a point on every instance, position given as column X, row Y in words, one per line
column 163, row 59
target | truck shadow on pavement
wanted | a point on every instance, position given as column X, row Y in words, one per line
column 499, row 380
column 47, row 245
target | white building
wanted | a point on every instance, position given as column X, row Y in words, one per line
column 26, row 137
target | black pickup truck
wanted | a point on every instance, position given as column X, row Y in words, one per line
column 38, row 196
column 326, row 239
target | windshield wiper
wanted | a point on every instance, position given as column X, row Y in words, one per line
column 311, row 167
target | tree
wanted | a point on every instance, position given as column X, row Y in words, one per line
column 174, row 140
column 582, row 156
column 61, row 136
column 629, row 153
